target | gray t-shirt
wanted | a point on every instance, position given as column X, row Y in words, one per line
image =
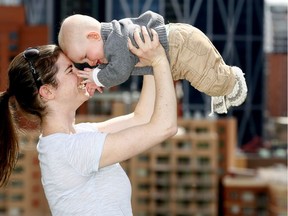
column 72, row 180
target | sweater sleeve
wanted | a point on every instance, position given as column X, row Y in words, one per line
column 121, row 62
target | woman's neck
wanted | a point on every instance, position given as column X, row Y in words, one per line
column 58, row 122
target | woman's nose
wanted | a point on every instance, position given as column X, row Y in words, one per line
column 75, row 70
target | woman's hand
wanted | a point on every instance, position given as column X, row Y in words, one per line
column 150, row 52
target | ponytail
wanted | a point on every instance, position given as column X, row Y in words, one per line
column 23, row 90
column 8, row 139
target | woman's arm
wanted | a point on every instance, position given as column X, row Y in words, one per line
column 131, row 141
column 142, row 113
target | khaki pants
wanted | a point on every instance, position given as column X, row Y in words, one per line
column 193, row 57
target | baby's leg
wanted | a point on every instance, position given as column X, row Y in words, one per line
column 193, row 57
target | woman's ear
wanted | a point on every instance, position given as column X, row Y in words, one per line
column 94, row 35
column 46, row 92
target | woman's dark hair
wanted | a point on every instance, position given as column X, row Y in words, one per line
column 23, row 90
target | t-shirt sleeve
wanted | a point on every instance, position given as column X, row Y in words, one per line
column 84, row 150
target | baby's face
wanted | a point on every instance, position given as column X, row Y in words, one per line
column 91, row 52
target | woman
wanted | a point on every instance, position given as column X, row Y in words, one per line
column 79, row 163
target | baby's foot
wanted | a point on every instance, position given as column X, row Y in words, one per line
column 219, row 104
column 239, row 92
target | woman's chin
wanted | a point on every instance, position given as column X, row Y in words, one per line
column 87, row 95
column 86, row 90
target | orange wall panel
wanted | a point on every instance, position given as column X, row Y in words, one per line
column 277, row 85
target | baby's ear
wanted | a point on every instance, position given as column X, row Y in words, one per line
column 94, row 35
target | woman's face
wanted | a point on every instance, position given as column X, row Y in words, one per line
column 70, row 91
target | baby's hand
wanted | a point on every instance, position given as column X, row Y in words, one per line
column 86, row 74
column 91, row 87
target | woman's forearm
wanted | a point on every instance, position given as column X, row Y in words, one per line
column 165, row 104
column 163, row 123
column 146, row 102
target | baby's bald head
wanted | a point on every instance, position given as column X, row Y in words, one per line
column 74, row 30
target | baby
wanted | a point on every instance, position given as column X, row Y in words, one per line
column 191, row 54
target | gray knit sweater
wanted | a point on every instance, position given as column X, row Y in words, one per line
column 121, row 62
